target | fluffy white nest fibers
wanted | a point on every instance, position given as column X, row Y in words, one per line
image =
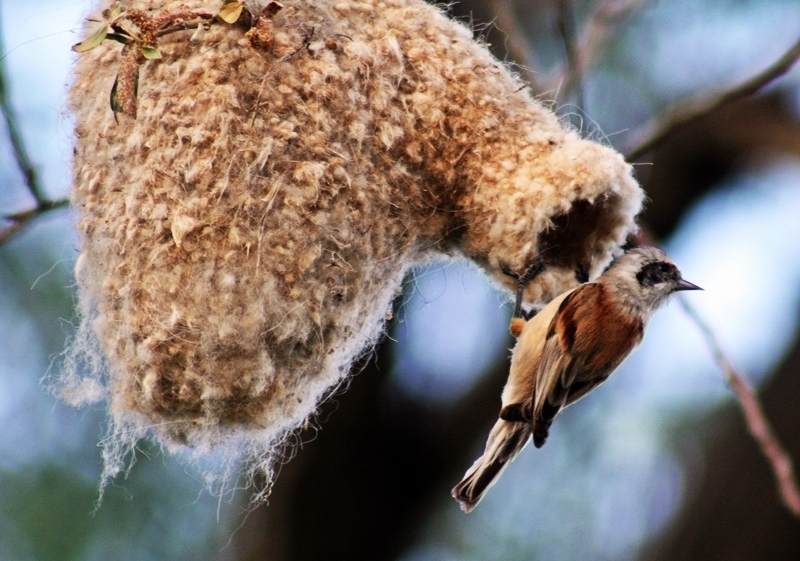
column 242, row 237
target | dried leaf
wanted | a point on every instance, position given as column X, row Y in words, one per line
column 150, row 53
column 230, row 11
column 271, row 9
column 92, row 41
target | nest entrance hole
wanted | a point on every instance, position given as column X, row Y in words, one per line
column 573, row 240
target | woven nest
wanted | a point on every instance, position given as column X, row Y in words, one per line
column 243, row 237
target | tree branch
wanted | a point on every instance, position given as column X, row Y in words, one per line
column 21, row 219
column 15, row 136
column 661, row 128
column 601, row 26
column 573, row 75
column 14, row 223
column 756, row 420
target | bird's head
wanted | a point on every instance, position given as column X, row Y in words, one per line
column 645, row 277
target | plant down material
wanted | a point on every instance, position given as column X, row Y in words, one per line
column 243, row 237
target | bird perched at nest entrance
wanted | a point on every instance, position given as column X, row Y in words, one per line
column 568, row 349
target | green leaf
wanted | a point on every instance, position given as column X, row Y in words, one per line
column 230, row 11
column 116, row 11
column 151, row 53
column 92, row 41
column 116, row 104
column 119, row 38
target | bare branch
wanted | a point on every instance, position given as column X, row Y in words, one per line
column 600, row 28
column 754, row 415
column 21, row 219
column 518, row 47
column 755, row 418
column 583, row 47
column 14, row 223
column 573, row 76
column 15, row 136
column 661, row 128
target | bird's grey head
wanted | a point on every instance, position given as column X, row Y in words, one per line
column 645, row 277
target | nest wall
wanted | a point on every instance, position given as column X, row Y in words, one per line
column 242, row 238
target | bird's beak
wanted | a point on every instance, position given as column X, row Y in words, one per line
column 686, row 285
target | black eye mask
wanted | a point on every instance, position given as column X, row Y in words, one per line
column 658, row 272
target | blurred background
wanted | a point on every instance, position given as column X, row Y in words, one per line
column 656, row 464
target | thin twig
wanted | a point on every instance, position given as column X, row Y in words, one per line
column 573, row 76
column 15, row 135
column 600, row 28
column 682, row 115
column 14, row 223
column 21, row 219
column 516, row 43
column 755, row 418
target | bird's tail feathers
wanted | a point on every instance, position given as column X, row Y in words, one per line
column 506, row 440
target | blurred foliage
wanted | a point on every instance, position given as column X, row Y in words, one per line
column 49, row 459
column 38, row 505
column 372, row 483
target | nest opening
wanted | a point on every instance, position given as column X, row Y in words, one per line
column 244, row 233
column 575, row 236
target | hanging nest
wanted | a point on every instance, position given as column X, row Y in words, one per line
column 250, row 202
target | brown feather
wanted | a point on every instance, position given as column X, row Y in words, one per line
column 568, row 349
column 505, row 441
column 586, row 341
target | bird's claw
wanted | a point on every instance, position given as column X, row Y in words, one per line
column 536, row 268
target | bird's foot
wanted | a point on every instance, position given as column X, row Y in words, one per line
column 536, row 268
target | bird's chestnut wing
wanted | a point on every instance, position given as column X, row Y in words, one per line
column 587, row 339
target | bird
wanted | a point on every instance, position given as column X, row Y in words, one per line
column 566, row 350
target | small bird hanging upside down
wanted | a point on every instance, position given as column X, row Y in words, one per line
column 568, row 349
